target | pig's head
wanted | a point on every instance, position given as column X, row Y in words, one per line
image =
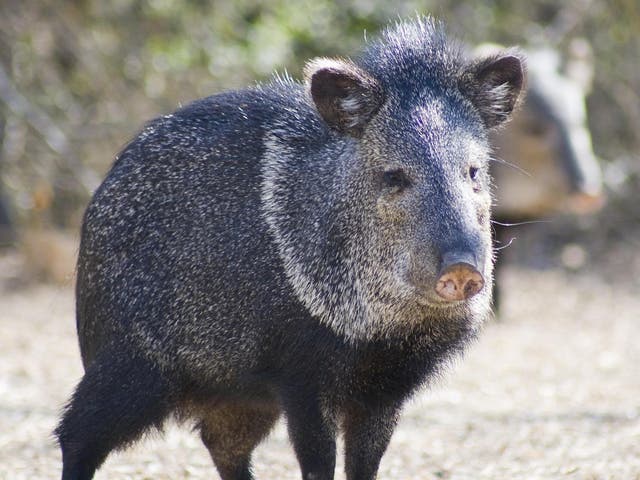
column 407, row 243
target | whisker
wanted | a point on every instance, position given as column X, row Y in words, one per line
column 502, row 247
column 509, row 164
column 518, row 223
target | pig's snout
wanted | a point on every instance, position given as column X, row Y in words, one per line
column 459, row 278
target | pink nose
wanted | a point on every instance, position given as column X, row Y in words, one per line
column 459, row 282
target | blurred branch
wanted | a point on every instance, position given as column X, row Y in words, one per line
column 39, row 120
column 53, row 136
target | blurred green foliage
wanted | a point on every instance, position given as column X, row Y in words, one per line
column 78, row 78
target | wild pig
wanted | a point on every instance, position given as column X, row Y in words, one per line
column 315, row 249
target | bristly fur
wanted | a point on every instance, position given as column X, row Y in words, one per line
column 277, row 249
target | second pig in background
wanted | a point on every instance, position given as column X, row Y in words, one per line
column 545, row 164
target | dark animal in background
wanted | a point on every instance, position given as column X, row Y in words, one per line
column 549, row 144
column 7, row 226
column 7, row 229
column 316, row 250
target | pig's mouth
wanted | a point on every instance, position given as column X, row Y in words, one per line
column 433, row 306
column 433, row 300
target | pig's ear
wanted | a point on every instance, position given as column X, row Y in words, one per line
column 495, row 85
column 345, row 96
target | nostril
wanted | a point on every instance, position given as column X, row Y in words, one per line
column 459, row 282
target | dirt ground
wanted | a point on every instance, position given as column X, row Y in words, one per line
column 551, row 391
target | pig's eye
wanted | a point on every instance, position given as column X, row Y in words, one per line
column 474, row 176
column 395, row 180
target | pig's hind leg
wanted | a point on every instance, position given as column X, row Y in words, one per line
column 120, row 396
column 231, row 430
